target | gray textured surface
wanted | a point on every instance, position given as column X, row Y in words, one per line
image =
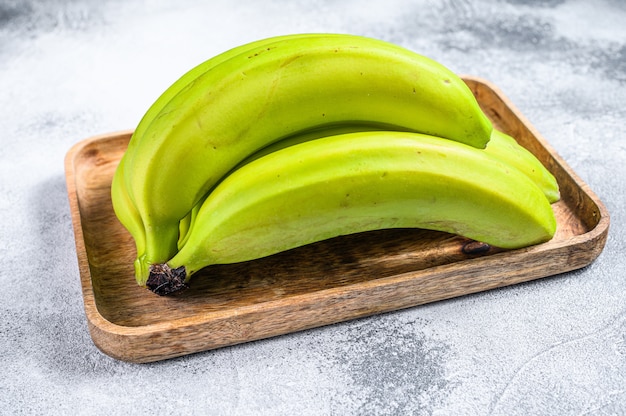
column 72, row 69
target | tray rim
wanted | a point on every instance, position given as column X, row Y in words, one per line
column 98, row 324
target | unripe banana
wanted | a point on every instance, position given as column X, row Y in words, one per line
column 353, row 183
column 128, row 216
column 125, row 209
column 501, row 145
column 510, row 151
column 253, row 99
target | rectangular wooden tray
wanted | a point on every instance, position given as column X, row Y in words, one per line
column 324, row 283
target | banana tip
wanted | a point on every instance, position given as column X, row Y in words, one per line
column 164, row 280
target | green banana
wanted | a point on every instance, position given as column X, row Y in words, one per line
column 255, row 98
column 128, row 216
column 500, row 145
column 510, row 151
column 356, row 182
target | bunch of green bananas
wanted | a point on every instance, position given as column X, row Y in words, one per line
column 294, row 139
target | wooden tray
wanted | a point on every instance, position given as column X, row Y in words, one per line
column 324, row 283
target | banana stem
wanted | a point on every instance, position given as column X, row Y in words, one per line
column 164, row 280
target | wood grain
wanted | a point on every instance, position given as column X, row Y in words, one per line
column 320, row 284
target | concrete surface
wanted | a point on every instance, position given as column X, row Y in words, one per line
column 73, row 69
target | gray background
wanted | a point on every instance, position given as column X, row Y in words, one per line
column 73, row 69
